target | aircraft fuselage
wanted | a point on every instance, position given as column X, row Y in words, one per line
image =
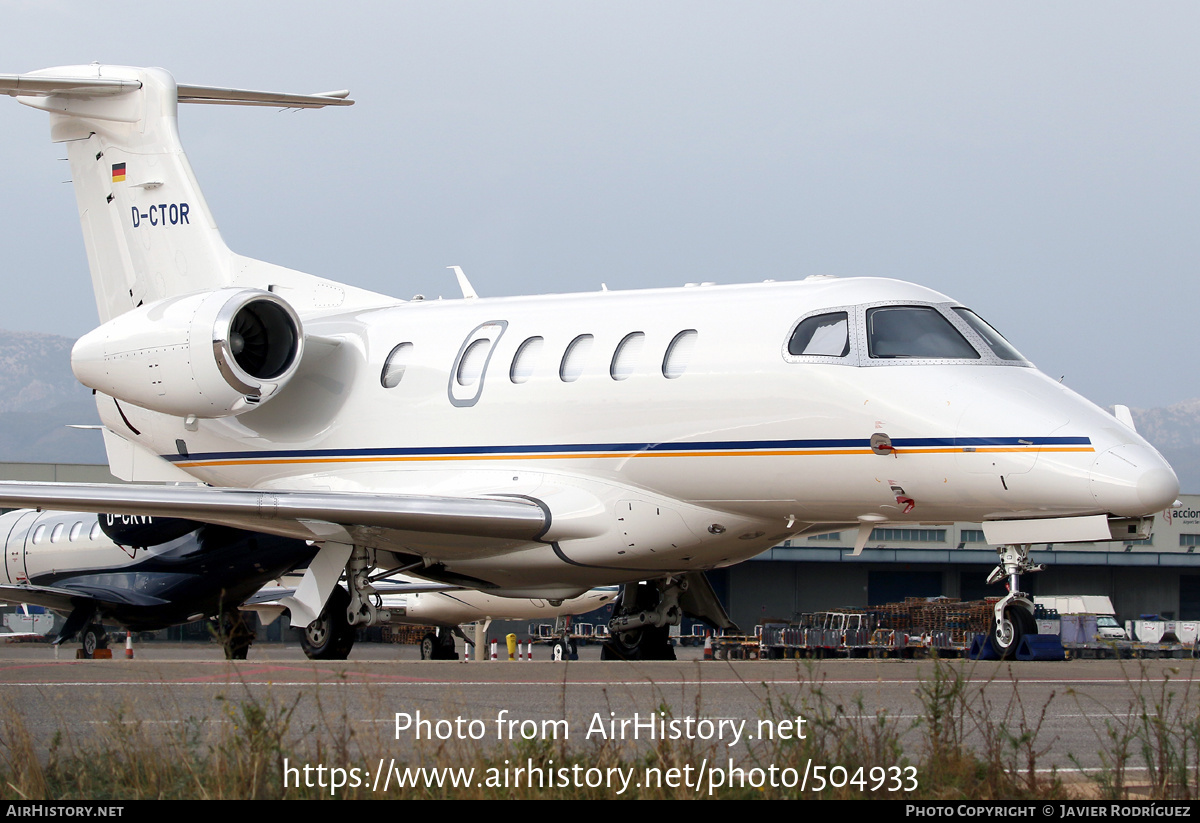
column 743, row 445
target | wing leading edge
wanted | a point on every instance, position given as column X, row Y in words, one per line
column 312, row 515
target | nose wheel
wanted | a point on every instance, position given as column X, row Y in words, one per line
column 1012, row 618
column 1007, row 630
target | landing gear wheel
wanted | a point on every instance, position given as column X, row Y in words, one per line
column 93, row 638
column 563, row 649
column 236, row 636
column 1006, row 634
column 438, row 646
column 330, row 637
column 643, row 642
column 646, row 643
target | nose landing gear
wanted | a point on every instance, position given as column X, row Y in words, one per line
column 1013, row 614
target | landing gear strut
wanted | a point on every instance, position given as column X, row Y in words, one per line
column 1013, row 614
column 236, row 637
column 564, row 648
column 363, row 604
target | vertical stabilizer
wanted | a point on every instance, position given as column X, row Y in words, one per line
column 148, row 232
column 146, row 226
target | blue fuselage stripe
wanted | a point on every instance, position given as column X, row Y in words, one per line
column 630, row 448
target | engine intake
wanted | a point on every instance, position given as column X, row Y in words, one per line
column 212, row 354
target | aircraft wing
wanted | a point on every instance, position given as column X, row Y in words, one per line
column 472, row 525
column 66, row 599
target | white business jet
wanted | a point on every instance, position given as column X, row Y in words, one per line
column 540, row 446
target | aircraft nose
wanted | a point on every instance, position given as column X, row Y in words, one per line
column 1133, row 480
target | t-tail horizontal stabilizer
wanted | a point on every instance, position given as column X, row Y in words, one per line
column 94, row 85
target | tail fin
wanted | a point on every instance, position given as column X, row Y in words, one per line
column 148, row 231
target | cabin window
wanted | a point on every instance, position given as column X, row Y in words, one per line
column 917, row 332
column 626, row 357
column 525, row 360
column 575, row 358
column 995, row 341
column 393, row 367
column 75, row 530
column 826, row 335
column 470, row 366
column 679, row 353
column 56, row 534
column 94, row 534
column 39, row 533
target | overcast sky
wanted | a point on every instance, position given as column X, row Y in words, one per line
column 1038, row 162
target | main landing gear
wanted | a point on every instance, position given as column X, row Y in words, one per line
column 93, row 637
column 236, row 637
column 438, row 646
column 1013, row 615
column 640, row 628
column 330, row 636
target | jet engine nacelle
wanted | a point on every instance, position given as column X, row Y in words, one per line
column 210, row 354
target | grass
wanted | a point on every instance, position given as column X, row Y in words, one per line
column 1158, row 732
column 973, row 740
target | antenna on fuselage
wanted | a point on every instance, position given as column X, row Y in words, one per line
column 468, row 290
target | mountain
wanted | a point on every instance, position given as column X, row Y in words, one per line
column 39, row 398
column 1175, row 431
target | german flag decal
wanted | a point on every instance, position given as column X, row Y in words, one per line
column 118, row 173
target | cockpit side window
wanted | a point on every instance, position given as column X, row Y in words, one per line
column 917, row 332
column 996, row 342
column 825, row 335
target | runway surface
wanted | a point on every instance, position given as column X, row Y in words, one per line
column 391, row 704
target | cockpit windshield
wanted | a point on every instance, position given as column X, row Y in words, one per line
column 896, row 334
column 918, row 332
column 996, row 342
column 825, row 335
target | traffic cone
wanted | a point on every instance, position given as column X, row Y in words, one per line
column 708, row 648
column 129, row 645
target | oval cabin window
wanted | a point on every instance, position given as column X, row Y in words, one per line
column 525, row 360
column 575, row 358
column 679, row 354
column 393, row 367
column 627, row 356
column 470, row 367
